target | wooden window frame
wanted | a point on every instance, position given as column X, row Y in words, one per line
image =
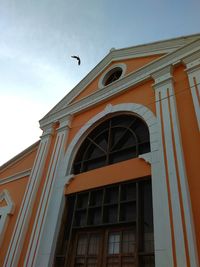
column 129, row 126
column 137, row 224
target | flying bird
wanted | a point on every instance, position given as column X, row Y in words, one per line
column 78, row 58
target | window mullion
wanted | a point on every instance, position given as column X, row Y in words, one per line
column 138, row 221
column 94, row 143
column 70, row 233
column 109, row 143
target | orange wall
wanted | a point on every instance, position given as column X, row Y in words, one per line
column 131, row 169
column 142, row 94
column 132, row 65
column 16, row 190
column 22, row 164
column 190, row 141
column 36, row 204
column 114, row 173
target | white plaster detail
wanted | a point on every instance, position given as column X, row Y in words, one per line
column 108, row 108
column 15, row 177
column 45, row 226
column 163, row 243
column 109, row 71
column 193, row 72
column 25, row 211
column 5, row 211
column 146, row 157
column 164, row 87
column 63, row 108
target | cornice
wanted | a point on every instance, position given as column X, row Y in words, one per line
column 19, row 156
column 163, row 76
column 154, row 48
column 15, row 177
column 123, row 84
column 192, row 62
column 65, row 122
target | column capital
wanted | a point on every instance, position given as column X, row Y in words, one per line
column 64, row 122
column 47, row 130
column 192, row 62
column 163, row 76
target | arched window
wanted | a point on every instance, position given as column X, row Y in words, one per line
column 116, row 139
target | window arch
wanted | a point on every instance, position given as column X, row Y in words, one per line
column 118, row 138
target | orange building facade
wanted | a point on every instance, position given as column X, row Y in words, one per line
column 114, row 179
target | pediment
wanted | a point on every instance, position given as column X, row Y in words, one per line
column 135, row 57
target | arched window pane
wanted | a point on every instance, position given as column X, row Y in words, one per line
column 117, row 139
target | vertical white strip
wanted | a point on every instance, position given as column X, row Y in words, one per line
column 22, row 222
column 194, row 80
column 163, row 243
column 43, row 208
column 184, row 185
column 176, row 209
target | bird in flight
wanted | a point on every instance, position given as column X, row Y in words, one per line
column 78, row 58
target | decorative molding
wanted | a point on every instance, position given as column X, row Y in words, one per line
column 121, row 85
column 176, row 172
column 193, row 72
column 192, row 61
column 122, row 66
column 64, row 123
column 48, row 130
column 19, row 157
column 162, row 76
column 146, row 157
column 15, row 177
column 163, row 243
column 138, row 109
column 6, row 210
column 160, row 47
column 34, row 251
column 21, row 225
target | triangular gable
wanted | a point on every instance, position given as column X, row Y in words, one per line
column 141, row 51
column 132, row 64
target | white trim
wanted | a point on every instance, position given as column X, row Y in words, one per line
column 63, row 108
column 39, row 240
column 160, row 184
column 15, row 177
column 4, row 212
column 163, row 246
column 155, row 48
column 107, row 72
column 193, row 72
column 138, row 109
column 146, row 157
column 21, row 225
column 164, row 86
column 184, row 185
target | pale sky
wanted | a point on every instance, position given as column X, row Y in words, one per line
column 38, row 37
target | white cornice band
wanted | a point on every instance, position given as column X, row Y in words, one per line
column 15, row 177
column 166, row 46
column 123, row 84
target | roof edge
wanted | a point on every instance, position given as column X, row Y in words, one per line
column 158, row 47
column 19, row 156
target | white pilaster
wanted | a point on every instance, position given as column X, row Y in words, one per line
column 193, row 71
column 42, row 240
column 175, row 166
column 16, row 243
column 162, row 227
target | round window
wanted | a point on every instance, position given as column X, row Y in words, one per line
column 112, row 74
